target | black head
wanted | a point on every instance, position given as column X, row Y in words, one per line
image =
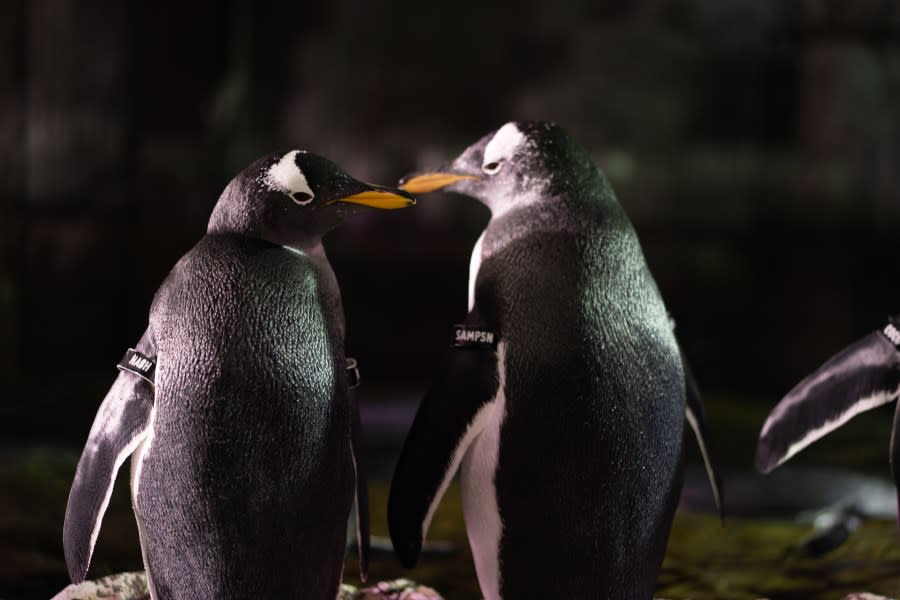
column 293, row 199
column 519, row 163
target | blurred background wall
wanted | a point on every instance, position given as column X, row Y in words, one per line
column 755, row 144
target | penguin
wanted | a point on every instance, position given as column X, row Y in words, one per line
column 562, row 398
column 862, row 376
column 235, row 404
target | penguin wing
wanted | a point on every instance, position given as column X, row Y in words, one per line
column 696, row 417
column 895, row 457
column 362, row 490
column 445, row 425
column 120, row 426
column 863, row 376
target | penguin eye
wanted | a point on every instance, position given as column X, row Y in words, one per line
column 301, row 198
column 492, row 167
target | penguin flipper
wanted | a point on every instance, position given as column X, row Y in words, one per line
column 696, row 417
column 445, row 425
column 895, row 457
column 121, row 424
column 363, row 540
column 861, row 377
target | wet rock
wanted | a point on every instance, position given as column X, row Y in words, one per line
column 348, row 592
column 121, row 586
column 399, row 589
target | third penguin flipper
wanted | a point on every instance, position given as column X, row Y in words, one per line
column 696, row 417
column 861, row 377
column 447, row 422
column 121, row 424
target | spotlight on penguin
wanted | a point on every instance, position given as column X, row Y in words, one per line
column 235, row 404
column 567, row 427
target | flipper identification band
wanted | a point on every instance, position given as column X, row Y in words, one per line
column 891, row 332
column 353, row 377
column 139, row 364
column 474, row 338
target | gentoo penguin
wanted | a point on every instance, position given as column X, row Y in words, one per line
column 235, row 404
column 860, row 377
column 562, row 398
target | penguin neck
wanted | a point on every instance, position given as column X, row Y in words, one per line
column 566, row 209
column 523, row 220
column 581, row 187
column 309, row 245
column 515, row 203
column 235, row 214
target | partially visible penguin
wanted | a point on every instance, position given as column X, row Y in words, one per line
column 562, row 400
column 862, row 376
column 243, row 469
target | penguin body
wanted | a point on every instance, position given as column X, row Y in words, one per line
column 575, row 414
column 568, row 434
column 251, row 433
column 243, row 467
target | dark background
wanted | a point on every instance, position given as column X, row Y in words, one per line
column 755, row 145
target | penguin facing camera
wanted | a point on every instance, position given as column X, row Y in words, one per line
column 235, row 404
column 562, row 400
column 862, row 376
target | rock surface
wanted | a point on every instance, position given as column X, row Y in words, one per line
column 121, row 586
column 398, row 589
column 133, row 586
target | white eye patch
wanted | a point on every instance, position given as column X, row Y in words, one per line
column 286, row 177
column 501, row 147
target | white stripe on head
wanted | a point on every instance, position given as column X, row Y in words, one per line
column 503, row 145
column 286, row 177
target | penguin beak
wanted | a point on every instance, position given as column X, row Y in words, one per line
column 377, row 196
column 431, row 182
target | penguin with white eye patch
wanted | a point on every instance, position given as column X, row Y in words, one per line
column 244, row 440
column 562, row 400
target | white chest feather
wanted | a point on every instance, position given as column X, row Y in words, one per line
column 474, row 265
column 137, row 471
column 479, row 494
